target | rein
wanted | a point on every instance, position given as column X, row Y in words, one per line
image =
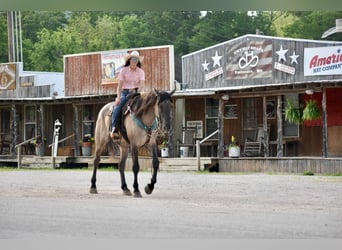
column 139, row 122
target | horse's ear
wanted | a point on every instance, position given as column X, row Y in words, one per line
column 155, row 91
column 173, row 91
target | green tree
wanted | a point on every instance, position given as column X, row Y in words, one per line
column 311, row 25
column 3, row 39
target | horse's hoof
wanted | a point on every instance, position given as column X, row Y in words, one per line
column 137, row 194
column 93, row 190
column 148, row 190
column 127, row 192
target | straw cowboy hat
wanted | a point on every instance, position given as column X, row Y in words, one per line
column 134, row 54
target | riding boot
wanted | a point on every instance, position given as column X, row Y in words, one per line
column 114, row 134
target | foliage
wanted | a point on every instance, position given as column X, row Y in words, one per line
column 88, row 138
column 164, row 144
column 311, row 111
column 297, row 115
column 293, row 114
column 312, row 24
column 49, row 35
column 38, row 141
column 233, row 142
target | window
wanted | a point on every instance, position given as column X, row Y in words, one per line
column 88, row 120
column 211, row 115
column 30, row 121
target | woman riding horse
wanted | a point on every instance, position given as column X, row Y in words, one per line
column 145, row 117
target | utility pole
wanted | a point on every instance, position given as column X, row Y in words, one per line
column 11, row 50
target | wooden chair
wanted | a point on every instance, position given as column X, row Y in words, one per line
column 254, row 147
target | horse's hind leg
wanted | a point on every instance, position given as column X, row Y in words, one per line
column 93, row 189
column 122, row 164
column 136, row 169
column 155, row 162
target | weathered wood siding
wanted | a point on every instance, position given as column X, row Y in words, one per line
column 264, row 73
column 83, row 72
column 282, row 165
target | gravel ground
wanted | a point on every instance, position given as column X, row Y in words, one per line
column 57, row 203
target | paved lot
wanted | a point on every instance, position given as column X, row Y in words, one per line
column 57, row 203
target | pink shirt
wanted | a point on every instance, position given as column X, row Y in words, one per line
column 131, row 78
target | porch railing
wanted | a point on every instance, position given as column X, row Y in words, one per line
column 198, row 148
column 18, row 146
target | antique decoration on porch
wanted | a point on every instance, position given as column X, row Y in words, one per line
column 234, row 148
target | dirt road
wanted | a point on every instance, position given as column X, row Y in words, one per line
column 57, row 203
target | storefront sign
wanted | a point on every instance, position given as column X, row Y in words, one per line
column 323, row 61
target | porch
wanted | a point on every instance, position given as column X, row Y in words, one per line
column 287, row 165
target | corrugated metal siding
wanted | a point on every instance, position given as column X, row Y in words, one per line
column 83, row 72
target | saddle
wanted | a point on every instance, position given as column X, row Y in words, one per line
column 122, row 113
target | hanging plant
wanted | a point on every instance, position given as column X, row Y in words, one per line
column 311, row 111
column 292, row 113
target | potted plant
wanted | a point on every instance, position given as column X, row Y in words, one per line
column 87, row 145
column 164, row 148
column 298, row 115
column 234, row 148
column 39, row 148
column 311, row 111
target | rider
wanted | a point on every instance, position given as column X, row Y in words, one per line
column 131, row 79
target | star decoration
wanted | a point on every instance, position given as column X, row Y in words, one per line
column 216, row 59
column 294, row 58
column 281, row 53
column 205, row 65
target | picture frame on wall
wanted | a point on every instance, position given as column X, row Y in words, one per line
column 230, row 111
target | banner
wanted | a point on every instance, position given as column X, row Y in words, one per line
column 323, row 61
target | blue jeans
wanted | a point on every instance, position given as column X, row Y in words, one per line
column 118, row 108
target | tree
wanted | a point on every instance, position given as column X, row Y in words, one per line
column 3, row 39
column 311, row 25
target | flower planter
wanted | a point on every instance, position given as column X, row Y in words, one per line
column 87, row 148
column 234, row 152
column 39, row 150
column 164, row 152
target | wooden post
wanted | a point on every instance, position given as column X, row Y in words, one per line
column 19, row 156
column 265, row 127
column 220, row 145
column 325, row 123
column 76, row 131
column 198, row 154
column 279, row 128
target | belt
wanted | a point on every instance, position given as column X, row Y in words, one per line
column 135, row 90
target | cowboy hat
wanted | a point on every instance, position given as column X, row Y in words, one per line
column 133, row 54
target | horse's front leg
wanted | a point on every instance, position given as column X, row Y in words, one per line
column 155, row 162
column 122, row 165
column 136, row 168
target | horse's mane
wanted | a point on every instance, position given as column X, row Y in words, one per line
column 142, row 103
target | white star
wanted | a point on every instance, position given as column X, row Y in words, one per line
column 294, row 58
column 281, row 53
column 205, row 65
column 216, row 59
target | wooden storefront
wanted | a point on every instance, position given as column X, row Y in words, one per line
column 28, row 109
column 242, row 84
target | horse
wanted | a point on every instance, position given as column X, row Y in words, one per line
column 145, row 118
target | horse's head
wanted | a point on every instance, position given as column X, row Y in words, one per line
column 164, row 109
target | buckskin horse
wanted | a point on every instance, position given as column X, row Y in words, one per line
column 145, row 118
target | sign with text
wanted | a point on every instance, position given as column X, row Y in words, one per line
column 323, row 61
